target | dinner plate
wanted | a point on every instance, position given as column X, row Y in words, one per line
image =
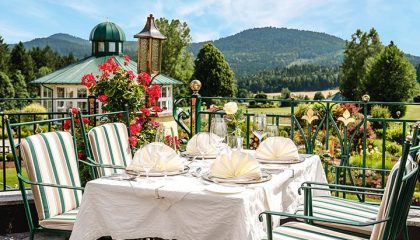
column 289, row 161
column 188, row 155
column 158, row 174
column 265, row 176
column 224, row 189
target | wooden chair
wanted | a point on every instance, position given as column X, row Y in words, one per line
column 390, row 216
column 106, row 146
column 51, row 163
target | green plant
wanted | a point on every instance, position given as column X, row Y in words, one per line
column 394, row 148
column 378, row 111
column 39, row 110
column 394, row 133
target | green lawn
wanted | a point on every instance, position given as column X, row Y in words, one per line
column 413, row 112
column 11, row 178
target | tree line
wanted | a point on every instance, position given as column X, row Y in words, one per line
column 19, row 66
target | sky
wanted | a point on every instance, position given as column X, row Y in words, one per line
column 399, row 21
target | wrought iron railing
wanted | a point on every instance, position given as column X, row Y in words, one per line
column 320, row 120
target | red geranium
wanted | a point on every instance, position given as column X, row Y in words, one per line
column 144, row 79
column 109, row 66
column 74, row 110
column 156, row 109
column 102, row 98
column 126, row 59
column 76, row 120
column 154, row 91
column 145, row 111
column 86, row 120
column 135, row 128
column 66, row 124
column 88, row 80
column 80, row 154
column 133, row 141
column 130, row 75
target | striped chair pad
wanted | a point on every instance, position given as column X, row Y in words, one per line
column 110, row 146
column 63, row 221
column 342, row 209
column 303, row 231
column 51, row 158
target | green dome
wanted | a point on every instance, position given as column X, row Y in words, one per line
column 107, row 32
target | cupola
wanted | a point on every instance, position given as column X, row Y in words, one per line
column 107, row 39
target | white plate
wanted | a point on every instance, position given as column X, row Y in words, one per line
column 289, row 161
column 224, row 189
column 199, row 156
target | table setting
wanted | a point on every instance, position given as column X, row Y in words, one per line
column 211, row 191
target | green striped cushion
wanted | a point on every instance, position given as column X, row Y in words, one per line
column 109, row 144
column 300, row 231
column 63, row 221
column 342, row 209
column 50, row 158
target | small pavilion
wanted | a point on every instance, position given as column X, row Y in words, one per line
column 107, row 40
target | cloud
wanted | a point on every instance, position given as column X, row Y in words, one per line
column 205, row 36
column 13, row 34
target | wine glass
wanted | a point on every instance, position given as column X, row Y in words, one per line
column 164, row 135
column 150, row 162
column 259, row 126
column 219, row 129
column 202, row 142
column 272, row 131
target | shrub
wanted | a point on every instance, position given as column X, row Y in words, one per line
column 373, row 160
column 34, row 108
column 416, row 99
column 260, row 97
column 378, row 111
column 398, row 108
column 319, row 96
column 395, row 133
column 394, row 148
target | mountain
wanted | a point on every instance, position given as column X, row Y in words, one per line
column 259, row 49
column 248, row 52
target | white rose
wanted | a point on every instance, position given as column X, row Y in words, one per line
column 230, row 108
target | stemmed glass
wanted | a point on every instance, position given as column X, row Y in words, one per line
column 218, row 128
column 272, row 131
column 164, row 135
column 259, row 126
column 202, row 142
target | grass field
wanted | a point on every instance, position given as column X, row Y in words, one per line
column 413, row 112
column 11, row 178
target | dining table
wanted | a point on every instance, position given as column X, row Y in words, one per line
column 186, row 206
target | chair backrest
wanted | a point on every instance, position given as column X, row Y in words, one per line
column 398, row 194
column 50, row 158
column 110, row 146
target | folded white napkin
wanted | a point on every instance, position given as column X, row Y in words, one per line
column 203, row 140
column 236, row 164
column 277, row 149
column 167, row 159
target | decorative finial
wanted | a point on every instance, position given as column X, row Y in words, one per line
column 292, row 96
column 409, row 138
column 366, row 98
column 195, row 86
column 398, row 114
column 346, row 118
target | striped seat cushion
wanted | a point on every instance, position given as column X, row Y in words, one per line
column 51, row 158
column 303, row 231
column 110, row 146
column 342, row 209
column 64, row 221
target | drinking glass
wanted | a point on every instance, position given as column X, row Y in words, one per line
column 272, row 131
column 259, row 126
column 150, row 162
column 219, row 129
column 202, row 142
column 165, row 135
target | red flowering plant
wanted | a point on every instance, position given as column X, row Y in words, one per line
column 116, row 87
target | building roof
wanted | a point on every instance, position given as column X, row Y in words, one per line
column 73, row 73
column 107, row 32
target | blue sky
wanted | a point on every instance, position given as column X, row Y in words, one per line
column 23, row 20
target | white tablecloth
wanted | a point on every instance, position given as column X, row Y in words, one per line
column 128, row 209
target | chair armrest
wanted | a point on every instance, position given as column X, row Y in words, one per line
column 336, row 187
column 88, row 163
column 95, row 164
column 25, row 180
column 352, row 223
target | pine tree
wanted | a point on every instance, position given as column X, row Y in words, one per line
column 6, row 91
column 4, row 56
column 391, row 78
column 21, row 60
column 18, row 81
column 362, row 47
column 215, row 74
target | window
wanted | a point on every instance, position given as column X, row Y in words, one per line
column 101, row 47
column 69, row 92
column 81, row 92
column 111, row 47
column 60, row 92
